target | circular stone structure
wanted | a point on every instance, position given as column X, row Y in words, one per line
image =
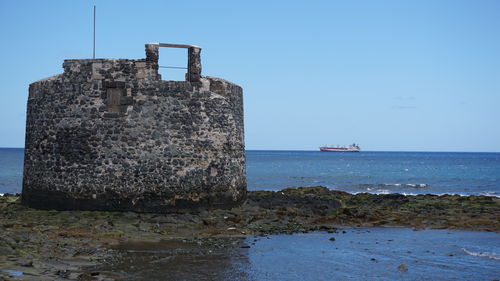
column 109, row 134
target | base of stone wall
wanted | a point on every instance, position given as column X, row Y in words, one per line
column 61, row 201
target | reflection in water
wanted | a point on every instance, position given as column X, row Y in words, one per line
column 222, row 259
column 355, row 253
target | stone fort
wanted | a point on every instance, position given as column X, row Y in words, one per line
column 110, row 134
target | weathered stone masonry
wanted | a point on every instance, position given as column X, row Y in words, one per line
column 109, row 134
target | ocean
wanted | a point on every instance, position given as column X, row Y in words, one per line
column 377, row 172
column 11, row 170
column 374, row 172
column 357, row 253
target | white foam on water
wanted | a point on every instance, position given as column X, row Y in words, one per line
column 376, row 190
column 494, row 256
column 412, row 185
column 453, row 194
column 490, row 193
column 409, row 194
column 404, row 189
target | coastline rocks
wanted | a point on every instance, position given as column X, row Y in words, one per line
column 24, row 263
column 305, row 204
column 74, row 243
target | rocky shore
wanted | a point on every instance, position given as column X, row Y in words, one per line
column 92, row 245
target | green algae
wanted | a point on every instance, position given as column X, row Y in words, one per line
column 45, row 236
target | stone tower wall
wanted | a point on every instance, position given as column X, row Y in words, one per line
column 110, row 135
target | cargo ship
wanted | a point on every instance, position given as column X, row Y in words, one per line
column 350, row 148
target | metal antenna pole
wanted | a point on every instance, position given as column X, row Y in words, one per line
column 94, row 33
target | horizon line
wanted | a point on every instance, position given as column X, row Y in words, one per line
column 308, row 150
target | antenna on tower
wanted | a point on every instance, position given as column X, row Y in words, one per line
column 94, row 35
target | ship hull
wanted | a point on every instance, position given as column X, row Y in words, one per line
column 338, row 149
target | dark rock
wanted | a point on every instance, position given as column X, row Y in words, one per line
column 403, row 267
column 63, row 273
column 5, row 250
column 24, row 263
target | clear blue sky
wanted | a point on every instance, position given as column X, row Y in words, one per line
column 390, row 75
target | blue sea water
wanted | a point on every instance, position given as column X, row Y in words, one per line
column 377, row 172
column 374, row 172
column 11, row 170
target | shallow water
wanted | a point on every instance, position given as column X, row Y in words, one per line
column 177, row 260
column 356, row 254
column 375, row 254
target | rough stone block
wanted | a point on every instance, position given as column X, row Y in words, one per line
column 96, row 67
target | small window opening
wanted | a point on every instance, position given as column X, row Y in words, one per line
column 173, row 64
